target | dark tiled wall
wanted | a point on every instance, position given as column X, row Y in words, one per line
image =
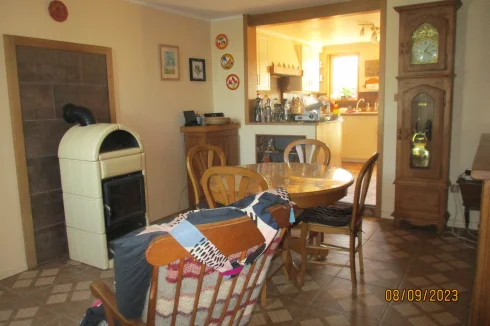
column 48, row 80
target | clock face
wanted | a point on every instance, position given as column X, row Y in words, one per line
column 424, row 52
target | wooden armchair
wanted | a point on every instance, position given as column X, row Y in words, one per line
column 186, row 292
column 199, row 159
column 309, row 151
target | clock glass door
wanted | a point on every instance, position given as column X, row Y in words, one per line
column 421, row 139
column 425, row 45
column 422, row 116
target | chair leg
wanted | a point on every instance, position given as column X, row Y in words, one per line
column 263, row 296
column 361, row 259
column 302, row 239
column 352, row 257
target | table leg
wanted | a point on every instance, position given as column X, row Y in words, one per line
column 467, row 216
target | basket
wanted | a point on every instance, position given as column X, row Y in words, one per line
column 217, row 121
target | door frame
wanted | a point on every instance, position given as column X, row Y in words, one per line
column 250, row 22
column 10, row 44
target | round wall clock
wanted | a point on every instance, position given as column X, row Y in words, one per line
column 232, row 82
column 58, row 11
column 227, row 61
column 221, row 41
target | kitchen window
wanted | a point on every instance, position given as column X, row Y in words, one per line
column 344, row 76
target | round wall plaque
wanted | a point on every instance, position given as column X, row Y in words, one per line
column 232, row 82
column 58, row 11
column 221, row 41
column 227, row 61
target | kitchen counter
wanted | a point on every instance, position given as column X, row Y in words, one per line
column 359, row 113
column 295, row 123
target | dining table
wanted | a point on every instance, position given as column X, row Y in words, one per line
column 308, row 185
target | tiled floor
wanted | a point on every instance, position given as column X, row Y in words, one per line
column 354, row 169
column 57, row 292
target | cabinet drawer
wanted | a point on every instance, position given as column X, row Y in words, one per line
column 420, row 201
column 121, row 165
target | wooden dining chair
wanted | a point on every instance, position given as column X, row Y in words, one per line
column 186, row 292
column 199, row 159
column 309, row 151
column 228, row 184
column 332, row 219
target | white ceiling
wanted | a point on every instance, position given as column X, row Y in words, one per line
column 327, row 31
column 214, row 9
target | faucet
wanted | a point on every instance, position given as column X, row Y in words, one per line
column 357, row 105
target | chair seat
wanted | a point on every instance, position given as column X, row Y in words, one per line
column 330, row 215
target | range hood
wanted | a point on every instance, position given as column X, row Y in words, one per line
column 283, row 71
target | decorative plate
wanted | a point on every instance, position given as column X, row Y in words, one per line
column 232, row 82
column 221, row 41
column 227, row 61
column 58, row 11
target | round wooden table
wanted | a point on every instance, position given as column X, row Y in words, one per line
column 309, row 185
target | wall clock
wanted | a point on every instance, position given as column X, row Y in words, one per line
column 58, row 11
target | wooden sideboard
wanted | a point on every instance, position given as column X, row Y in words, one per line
column 222, row 136
column 480, row 305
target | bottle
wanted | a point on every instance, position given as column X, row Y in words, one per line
column 258, row 109
column 198, row 118
column 286, row 110
column 368, row 107
column 376, row 105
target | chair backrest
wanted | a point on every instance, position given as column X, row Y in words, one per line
column 186, row 292
column 309, row 151
column 228, row 184
column 361, row 189
column 199, row 159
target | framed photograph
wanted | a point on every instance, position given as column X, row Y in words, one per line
column 169, row 62
column 197, row 69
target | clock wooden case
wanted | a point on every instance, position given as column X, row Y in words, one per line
column 425, row 90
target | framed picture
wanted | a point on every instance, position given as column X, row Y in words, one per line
column 197, row 69
column 169, row 62
column 372, row 68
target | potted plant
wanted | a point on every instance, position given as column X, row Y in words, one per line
column 346, row 93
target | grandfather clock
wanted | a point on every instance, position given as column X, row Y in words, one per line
column 425, row 96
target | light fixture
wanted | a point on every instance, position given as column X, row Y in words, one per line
column 374, row 30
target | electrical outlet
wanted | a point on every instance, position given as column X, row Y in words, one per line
column 454, row 188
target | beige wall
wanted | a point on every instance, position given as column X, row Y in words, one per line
column 367, row 51
column 471, row 117
column 232, row 103
column 281, row 50
column 153, row 108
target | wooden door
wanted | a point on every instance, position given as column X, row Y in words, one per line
column 420, row 133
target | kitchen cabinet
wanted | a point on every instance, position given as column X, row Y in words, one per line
column 222, row 136
column 310, row 63
column 311, row 69
column 359, row 136
column 263, row 75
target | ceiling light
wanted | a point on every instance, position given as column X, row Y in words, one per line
column 374, row 37
column 362, row 31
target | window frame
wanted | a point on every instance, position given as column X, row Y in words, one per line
column 330, row 68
